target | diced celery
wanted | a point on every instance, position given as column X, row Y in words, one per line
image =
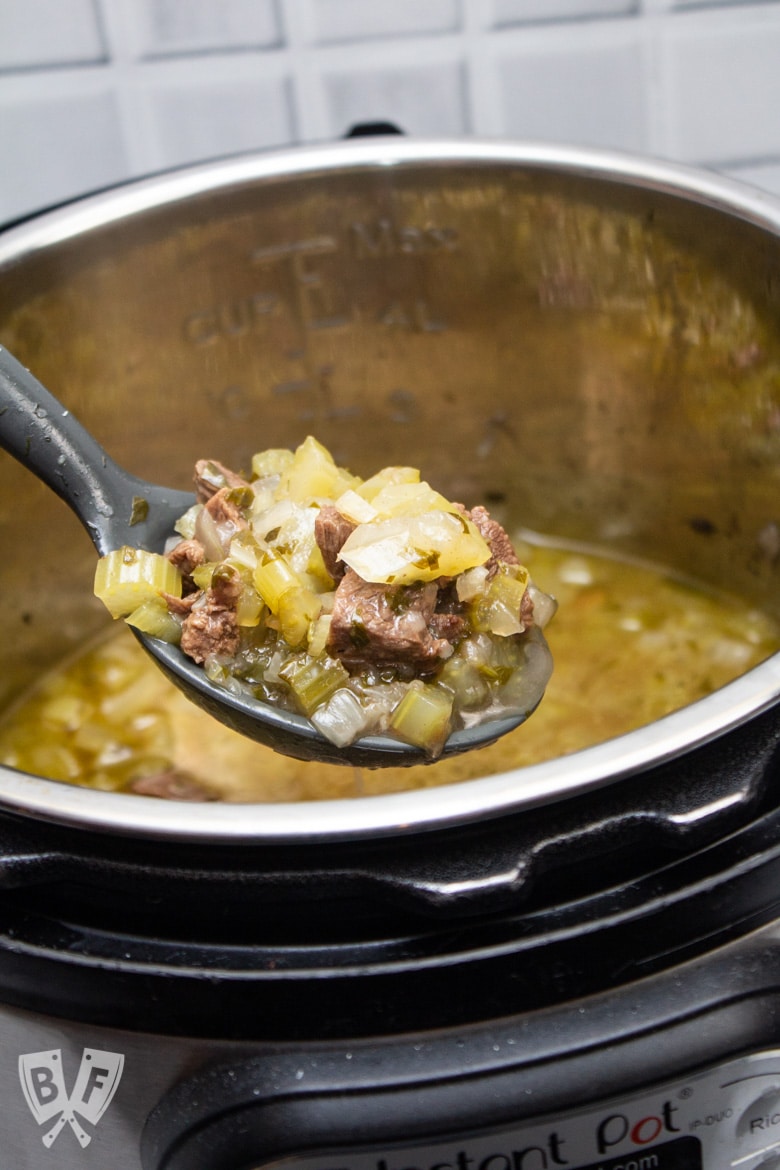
column 250, row 606
column 93, row 736
column 423, row 716
column 466, row 682
column 219, row 673
column 55, row 761
column 298, row 608
column 202, row 574
column 497, row 610
column 313, row 680
column 140, row 696
column 106, row 780
column 152, row 618
column 316, row 571
column 128, row 576
column 318, row 634
column 274, row 461
column 273, row 577
column 66, row 711
column 151, row 732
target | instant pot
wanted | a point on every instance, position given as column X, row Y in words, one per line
column 575, row 964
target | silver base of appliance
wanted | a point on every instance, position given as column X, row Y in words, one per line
column 678, row 1071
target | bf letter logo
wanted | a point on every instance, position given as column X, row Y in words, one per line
column 43, row 1084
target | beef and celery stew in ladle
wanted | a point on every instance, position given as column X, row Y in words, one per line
column 368, row 622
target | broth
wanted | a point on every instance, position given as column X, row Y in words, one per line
column 631, row 643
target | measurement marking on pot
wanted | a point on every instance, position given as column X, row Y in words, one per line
column 229, row 319
column 383, row 237
column 415, row 315
column 317, row 304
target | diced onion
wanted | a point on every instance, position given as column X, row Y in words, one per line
column 152, row 618
column 526, row 686
column 544, row 606
column 185, row 525
column 409, row 499
column 371, row 487
column 272, row 518
column 342, row 720
column 208, row 533
column 414, row 548
column 471, row 583
column 353, row 507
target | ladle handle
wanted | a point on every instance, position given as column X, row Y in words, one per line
column 48, row 440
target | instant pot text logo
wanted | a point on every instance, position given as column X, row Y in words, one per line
column 43, row 1083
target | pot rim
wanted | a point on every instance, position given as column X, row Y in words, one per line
column 429, row 809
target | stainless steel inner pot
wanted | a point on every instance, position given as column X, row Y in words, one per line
column 587, row 340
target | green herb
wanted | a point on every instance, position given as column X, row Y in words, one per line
column 139, row 510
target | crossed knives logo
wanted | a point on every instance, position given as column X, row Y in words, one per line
column 43, row 1084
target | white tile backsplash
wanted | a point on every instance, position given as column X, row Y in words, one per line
column 683, row 4
column 508, row 12
column 198, row 26
column 422, row 99
column 49, row 32
column 218, row 118
column 59, row 149
column 591, row 95
column 722, row 81
column 95, row 91
column 763, row 175
column 355, row 20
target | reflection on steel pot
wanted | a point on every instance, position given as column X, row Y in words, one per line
column 590, row 340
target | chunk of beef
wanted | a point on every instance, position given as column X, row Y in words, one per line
column 447, row 620
column 211, row 627
column 450, row 626
column 211, row 476
column 181, row 606
column 225, row 511
column 186, row 556
column 527, row 610
column 206, row 631
column 501, row 549
column 218, row 522
column 497, row 539
column 171, row 785
column 384, row 625
column 331, row 529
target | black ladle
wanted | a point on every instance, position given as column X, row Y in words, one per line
column 46, row 438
